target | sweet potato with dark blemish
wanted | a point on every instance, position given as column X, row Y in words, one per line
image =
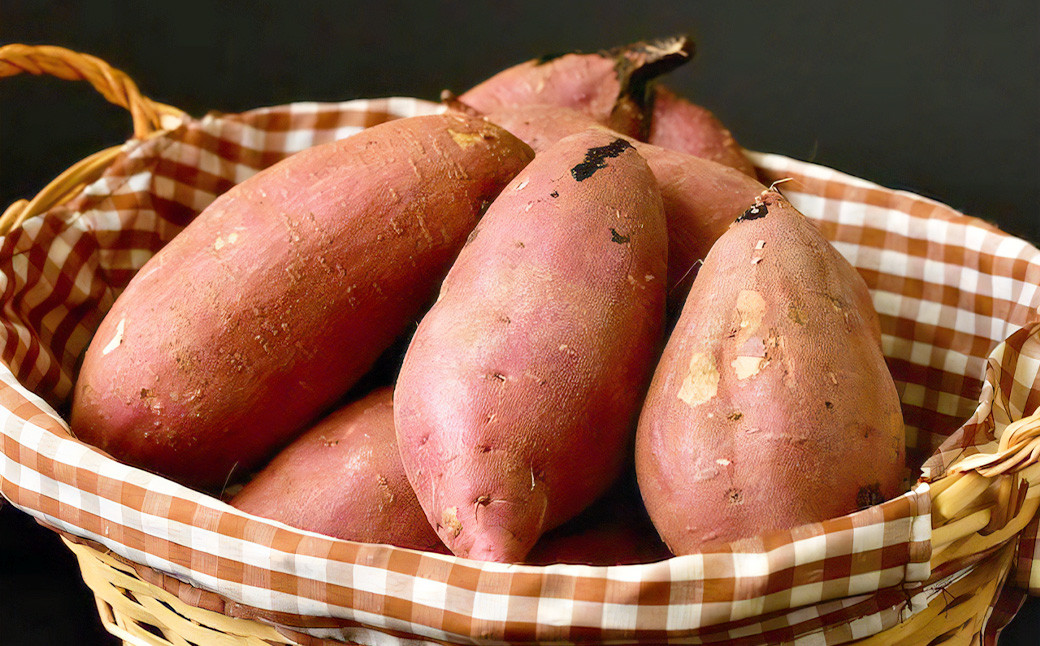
column 264, row 310
column 613, row 87
column 679, row 124
column 772, row 405
column 516, row 402
column 343, row 478
column 701, row 198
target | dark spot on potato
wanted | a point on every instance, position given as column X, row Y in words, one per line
column 554, row 194
column 146, row 393
column 829, row 405
column 498, row 375
column 472, row 236
column 617, row 237
column 520, row 245
column 483, row 500
column 795, row 313
column 505, row 319
column 755, row 212
column 484, row 448
column 596, row 158
column 735, row 415
column 735, row 496
column 869, row 496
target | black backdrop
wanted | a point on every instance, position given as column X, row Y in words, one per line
column 940, row 98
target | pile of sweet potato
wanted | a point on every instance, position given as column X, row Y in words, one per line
column 617, row 344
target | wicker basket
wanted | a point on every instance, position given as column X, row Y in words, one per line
column 961, row 572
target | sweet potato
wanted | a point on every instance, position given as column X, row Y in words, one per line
column 264, row 310
column 516, row 402
column 772, row 405
column 610, row 86
column 343, row 478
column 701, row 198
column 678, row 124
column 538, row 125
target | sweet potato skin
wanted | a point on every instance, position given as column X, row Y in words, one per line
column 587, row 83
column 282, row 293
column 701, row 197
column 539, row 125
column 772, row 405
column 344, row 478
column 537, row 351
column 679, row 124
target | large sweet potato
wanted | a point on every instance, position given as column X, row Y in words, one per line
column 772, row 405
column 282, row 293
column 344, row 478
column 516, row 401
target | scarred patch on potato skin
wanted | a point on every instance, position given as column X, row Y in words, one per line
column 701, row 382
column 750, row 310
column 467, row 139
column 746, row 367
column 450, row 521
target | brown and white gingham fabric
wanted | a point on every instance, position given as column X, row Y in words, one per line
column 949, row 289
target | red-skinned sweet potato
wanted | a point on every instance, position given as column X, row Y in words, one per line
column 611, row 86
column 679, row 124
column 701, row 198
column 343, row 478
column 516, row 401
column 772, row 405
column 282, row 293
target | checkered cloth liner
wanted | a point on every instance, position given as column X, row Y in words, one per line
column 949, row 289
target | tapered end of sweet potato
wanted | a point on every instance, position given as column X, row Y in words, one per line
column 498, row 544
column 642, row 61
column 636, row 65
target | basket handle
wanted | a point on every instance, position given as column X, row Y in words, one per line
column 149, row 117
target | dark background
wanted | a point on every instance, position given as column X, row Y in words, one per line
column 939, row 98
